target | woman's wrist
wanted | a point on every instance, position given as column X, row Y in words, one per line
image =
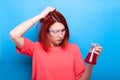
column 35, row 19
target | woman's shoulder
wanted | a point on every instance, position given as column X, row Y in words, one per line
column 37, row 43
column 73, row 45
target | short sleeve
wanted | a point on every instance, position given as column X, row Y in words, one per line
column 79, row 66
column 27, row 48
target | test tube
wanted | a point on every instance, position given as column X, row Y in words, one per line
column 91, row 57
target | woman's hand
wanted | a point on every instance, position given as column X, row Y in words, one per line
column 42, row 14
column 46, row 11
column 97, row 48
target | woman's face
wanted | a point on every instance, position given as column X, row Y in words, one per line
column 56, row 33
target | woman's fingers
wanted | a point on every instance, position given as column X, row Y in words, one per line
column 50, row 9
column 98, row 50
column 46, row 11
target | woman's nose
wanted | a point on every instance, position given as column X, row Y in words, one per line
column 60, row 34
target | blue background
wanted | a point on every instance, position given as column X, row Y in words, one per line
column 89, row 21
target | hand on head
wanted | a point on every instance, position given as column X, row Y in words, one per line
column 47, row 10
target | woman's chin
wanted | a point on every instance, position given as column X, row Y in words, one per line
column 57, row 44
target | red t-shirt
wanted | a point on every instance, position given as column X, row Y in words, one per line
column 55, row 64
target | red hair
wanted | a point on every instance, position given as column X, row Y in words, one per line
column 46, row 22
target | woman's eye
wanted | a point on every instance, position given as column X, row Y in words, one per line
column 55, row 31
column 63, row 30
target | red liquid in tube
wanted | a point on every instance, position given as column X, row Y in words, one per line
column 91, row 58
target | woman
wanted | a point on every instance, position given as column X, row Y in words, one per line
column 53, row 57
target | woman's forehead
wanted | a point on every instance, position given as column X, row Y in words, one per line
column 57, row 26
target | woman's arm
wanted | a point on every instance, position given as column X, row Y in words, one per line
column 17, row 33
column 87, row 73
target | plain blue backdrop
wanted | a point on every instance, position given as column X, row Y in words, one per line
column 89, row 21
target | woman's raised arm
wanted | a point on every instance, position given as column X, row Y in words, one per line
column 17, row 33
